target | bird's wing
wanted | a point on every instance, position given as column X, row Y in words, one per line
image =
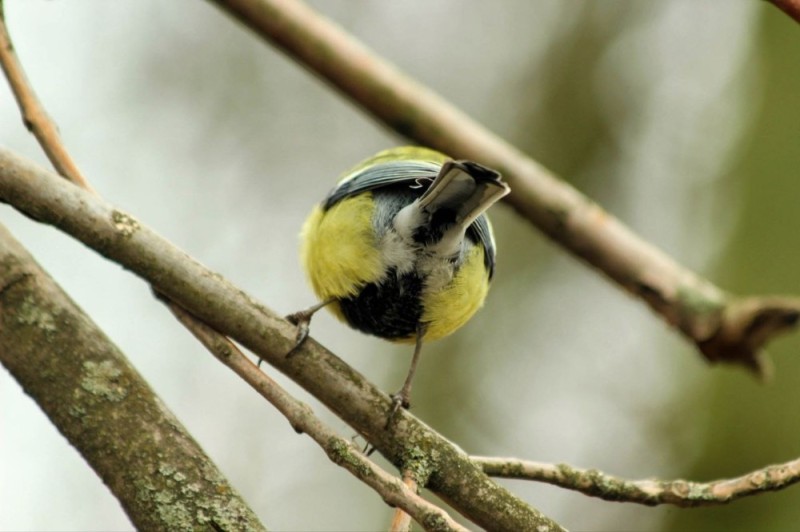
column 411, row 172
column 380, row 175
column 481, row 230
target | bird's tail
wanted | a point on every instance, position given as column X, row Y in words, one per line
column 461, row 192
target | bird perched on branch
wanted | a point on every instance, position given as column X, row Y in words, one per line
column 401, row 248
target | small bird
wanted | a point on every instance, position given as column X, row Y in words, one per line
column 401, row 249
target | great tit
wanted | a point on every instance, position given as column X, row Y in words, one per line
column 401, row 248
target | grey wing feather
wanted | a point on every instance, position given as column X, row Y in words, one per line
column 480, row 229
column 392, row 173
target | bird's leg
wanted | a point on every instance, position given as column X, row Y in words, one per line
column 303, row 320
column 403, row 397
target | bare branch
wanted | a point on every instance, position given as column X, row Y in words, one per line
column 401, row 521
column 36, row 120
column 34, row 115
column 648, row 492
column 42, row 196
column 747, row 324
column 790, row 7
column 106, row 410
column 688, row 302
column 341, row 451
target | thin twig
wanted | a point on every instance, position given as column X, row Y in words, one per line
column 123, row 226
column 401, row 521
column 45, row 197
column 34, row 115
column 340, row 450
column 682, row 493
column 790, row 7
column 688, row 302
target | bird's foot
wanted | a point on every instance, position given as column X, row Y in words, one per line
column 303, row 321
column 399, row 399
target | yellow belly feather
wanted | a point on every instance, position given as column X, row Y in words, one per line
column 448, row 309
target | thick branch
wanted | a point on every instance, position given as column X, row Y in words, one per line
column 693, row 305
column 340, row 450
column 41, row 195
column 98, row 401
column 649, row 492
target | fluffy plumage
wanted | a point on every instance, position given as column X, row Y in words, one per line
column 401, row 248
column 394, row 252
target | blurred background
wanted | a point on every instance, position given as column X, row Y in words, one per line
column 679, row 116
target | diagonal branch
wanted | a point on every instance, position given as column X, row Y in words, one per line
column 401, row 521
column 707, row 315
column 409, row 443
column 103, row 406
column 790, row 7
column 44, row 129
column 340, row 450
column 34, row 115
column 682, row 493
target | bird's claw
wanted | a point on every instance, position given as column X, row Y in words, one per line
column 303, row 321
column 399, row 399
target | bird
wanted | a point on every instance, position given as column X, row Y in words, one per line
column 401, row 249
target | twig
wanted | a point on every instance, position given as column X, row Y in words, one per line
column 123, row 227
column 42, row 196
column 790, row 7
column 34, row 116
column 401, row 521
column 682, row 493
column 693, row 305
column 104, row 407
column 340, row 450
column 37, row 121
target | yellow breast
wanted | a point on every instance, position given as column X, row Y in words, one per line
column 339, row 252
column 446, row 310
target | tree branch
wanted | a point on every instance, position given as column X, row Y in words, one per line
column 34, row 115
column 106, row 410
column 696, row 307
column 401, row 521
column 341, row 451
column 37, row 121
column 408, row 443
column 790, row 7
column 682, row 493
